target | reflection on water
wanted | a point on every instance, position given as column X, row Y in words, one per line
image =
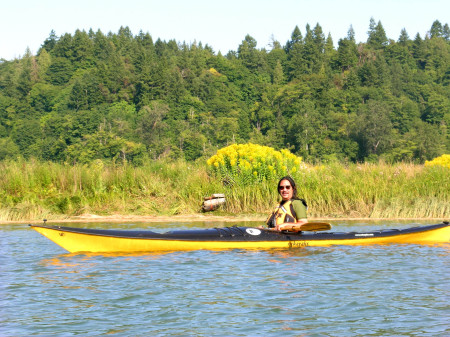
column 392, row 290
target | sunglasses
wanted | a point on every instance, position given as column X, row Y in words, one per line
column 287, row 187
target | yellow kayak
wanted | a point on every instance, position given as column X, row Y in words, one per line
column 128, row 241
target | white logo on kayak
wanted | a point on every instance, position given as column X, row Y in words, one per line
column 253, row 231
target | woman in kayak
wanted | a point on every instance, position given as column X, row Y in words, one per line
column 291, row 208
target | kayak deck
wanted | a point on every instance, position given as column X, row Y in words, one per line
column 107, row 241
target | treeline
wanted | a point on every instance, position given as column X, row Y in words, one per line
column 124, row 97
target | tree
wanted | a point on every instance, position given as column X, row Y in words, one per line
column 105, row 145
column 49, row 43
column 403, row 38
column 446, row 32
column 26, row 134
column 60, row 71
column 44, row 61
column 83, row 49
column 85, row 92
column 278, row 74
column 64, row 47
column 24, row 83
column 228, row 130
column 296, row 64
column 428, row 141
column 351, row 34
column 329, row 51
column 42, row 97
column 435, row 109
column 193, row 145
column 8, row 149
column 309, row 52
column 249, row 55
column 436, row 29
column 377, row 36
column 373, row 129
column 296, row 38
column 347, row 53
column 419, row 52
column 305, row 132
column 103, row 48
column 319, row 39
column 152, row 128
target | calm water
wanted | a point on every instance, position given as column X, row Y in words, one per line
column 394, row 290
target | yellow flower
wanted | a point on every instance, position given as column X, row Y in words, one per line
column 443, row 161
column 261, row 162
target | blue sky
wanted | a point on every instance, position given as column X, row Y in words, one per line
column 221, row 24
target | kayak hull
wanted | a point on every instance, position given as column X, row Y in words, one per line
column 77, row 240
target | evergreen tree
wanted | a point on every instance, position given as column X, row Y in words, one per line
column 82, row 47
column 24, row 84
column 309, row 52
column 446, row 32
column 351, row 34
column 419, row 52
column 377, row 36
column 347, row 51
column 49, row 42
column 436, row 29
column 248, row 54
column 403, row 38
column 296, row 38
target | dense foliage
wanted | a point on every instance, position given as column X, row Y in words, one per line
column 120, row 97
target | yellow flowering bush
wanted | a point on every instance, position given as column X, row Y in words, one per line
column 248, row 163
column 443, row 160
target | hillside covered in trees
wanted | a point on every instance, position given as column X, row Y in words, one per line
column 123, row 97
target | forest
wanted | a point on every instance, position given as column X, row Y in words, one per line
column 125, row 98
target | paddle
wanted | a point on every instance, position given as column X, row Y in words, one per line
column 306, row 227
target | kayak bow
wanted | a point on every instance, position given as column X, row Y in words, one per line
column 110, row 241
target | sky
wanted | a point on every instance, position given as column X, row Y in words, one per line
column 222, row 25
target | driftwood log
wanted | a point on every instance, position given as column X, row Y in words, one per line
column 213, row 202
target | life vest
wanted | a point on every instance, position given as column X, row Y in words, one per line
column 283, row 213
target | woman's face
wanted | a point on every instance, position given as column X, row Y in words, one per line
column 285, row 189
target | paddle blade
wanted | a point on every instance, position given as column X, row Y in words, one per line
column 306, row 227
column 315, row 226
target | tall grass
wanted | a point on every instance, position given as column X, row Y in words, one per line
column 377, row 191
column 35, row 190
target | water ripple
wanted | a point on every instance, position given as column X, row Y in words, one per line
column 395, row 290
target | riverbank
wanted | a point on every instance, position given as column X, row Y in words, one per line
column 31, row 191
column 92, row 218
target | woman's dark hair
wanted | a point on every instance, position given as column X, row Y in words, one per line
column 292, row 182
